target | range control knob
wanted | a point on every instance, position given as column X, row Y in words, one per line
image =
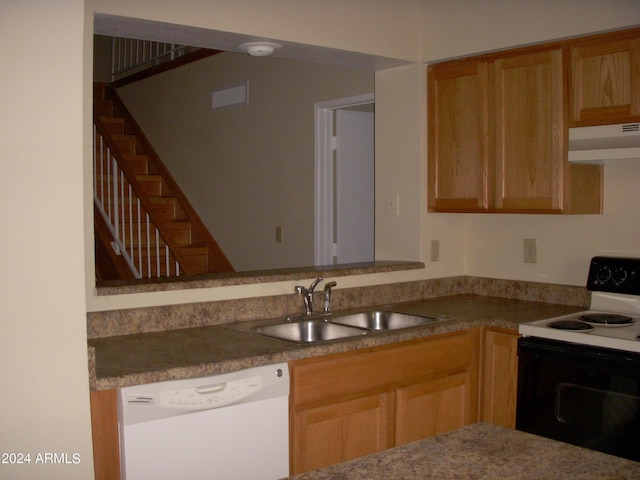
column 619, row 275
column 603, row 275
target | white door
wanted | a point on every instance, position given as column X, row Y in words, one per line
column 354, row 187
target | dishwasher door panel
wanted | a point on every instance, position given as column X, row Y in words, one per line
column 243, row 442
column 169, row 430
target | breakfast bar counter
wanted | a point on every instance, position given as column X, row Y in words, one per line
column 482, row 451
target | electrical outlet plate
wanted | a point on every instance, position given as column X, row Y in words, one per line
column 435, row 250
column 530, row 253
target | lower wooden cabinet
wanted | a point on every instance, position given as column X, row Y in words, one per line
column 429, row 408
column 499, row 377
column 342, row 430
column 104, row 431
column 351, row 404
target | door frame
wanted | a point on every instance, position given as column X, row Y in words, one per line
column 324, row 247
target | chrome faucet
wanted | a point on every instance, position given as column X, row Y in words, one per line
column 307, row 295
column 327, row 296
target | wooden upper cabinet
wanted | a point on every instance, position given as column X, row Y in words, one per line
column 497, row 135
column 530, row 132
column 458, row 142
column 605, row 79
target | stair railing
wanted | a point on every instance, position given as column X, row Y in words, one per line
column 129, row 55
column 135, row 235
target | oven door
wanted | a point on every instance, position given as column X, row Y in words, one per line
column 583, row 395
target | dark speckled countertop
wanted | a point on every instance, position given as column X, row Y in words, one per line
column 482, row 452
column 191, row 352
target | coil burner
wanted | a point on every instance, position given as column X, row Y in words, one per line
column 574, row 325
column 607, row 319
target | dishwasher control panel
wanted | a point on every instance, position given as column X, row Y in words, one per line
column 154, row 401
column 211, row 395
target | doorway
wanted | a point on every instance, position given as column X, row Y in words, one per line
column 344, row 181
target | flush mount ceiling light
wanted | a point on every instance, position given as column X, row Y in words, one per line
column 259, row 49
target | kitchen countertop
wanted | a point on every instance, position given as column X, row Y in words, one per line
column 482, row 451
column 152, row 357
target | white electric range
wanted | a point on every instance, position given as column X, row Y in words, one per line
column 613, row 318
column 579, row 374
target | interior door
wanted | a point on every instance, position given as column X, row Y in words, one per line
column 355, row 224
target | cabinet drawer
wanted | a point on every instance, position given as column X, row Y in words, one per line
column 367, row 371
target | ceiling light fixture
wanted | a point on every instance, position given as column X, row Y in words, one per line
column 259, row 49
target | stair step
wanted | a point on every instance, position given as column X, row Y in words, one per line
column 130, row 235
column 153, row 185
column 127, row 143
column 195, row 259
column 114, row 125
column 180, row 231
column 137, row 163
column 167, row 208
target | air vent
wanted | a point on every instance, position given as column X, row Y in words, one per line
column 631, row 127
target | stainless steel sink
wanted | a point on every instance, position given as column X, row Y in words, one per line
column 385, row 320
column 309, row 331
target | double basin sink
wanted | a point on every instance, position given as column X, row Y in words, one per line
column 325, row 328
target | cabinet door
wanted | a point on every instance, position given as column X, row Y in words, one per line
column 530, row 132
column 104, row 429
column 499, row 378
column 605, row 81
column 340, row 431
column 458, row 136
column 429, row 408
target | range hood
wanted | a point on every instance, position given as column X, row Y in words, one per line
column 604, row 144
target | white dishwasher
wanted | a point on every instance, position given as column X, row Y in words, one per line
column 232, row 426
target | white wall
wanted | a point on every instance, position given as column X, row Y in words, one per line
column 44, row 388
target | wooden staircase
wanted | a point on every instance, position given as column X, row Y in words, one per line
column 181, row 232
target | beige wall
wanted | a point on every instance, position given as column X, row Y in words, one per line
column 245, row 169
column 45, row 136
column 463, row 27
column 44, row 388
